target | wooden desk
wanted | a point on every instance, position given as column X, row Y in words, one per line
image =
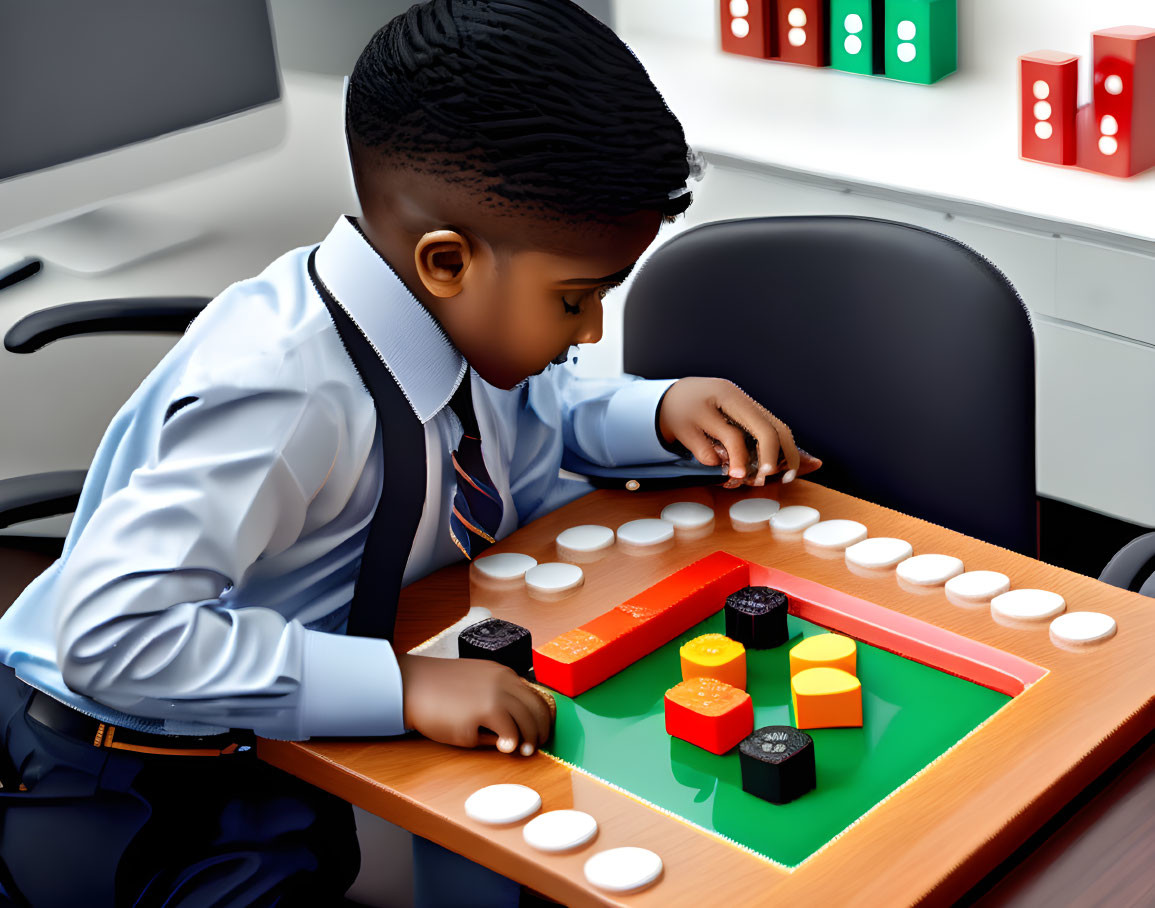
column 934, row 838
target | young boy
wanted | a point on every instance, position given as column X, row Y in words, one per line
column 222, row 573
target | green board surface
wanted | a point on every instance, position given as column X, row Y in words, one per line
column 912, row 714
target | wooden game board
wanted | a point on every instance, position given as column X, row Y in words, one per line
column 931, row 840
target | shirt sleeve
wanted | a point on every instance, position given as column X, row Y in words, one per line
column 142, row 623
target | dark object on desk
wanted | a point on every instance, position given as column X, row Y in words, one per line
column 498, row 641
column 902, row 357
column 19, row 271
column 756, row 617
column 777, row 763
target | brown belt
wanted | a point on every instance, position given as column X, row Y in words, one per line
column 50, row 712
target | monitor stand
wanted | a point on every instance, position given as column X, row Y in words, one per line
column 100, row 240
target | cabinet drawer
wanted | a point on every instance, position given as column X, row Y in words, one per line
column 1109, row 289
column 1096, row 434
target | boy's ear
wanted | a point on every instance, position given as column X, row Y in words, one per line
column 442, row 257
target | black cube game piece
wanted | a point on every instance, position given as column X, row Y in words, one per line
column 777, row 763
column 756, row 617
column 498, row 641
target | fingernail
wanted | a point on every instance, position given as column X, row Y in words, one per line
column 737, row 474
column 506, row 745
column 527, row 749
column 789, row 475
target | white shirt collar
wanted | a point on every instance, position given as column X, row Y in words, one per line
column 408, row 339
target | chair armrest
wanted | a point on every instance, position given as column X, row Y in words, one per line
column 39, row 495
column 167, row 314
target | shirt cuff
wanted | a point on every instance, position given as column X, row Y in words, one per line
column 350, row 686
column 630, row 432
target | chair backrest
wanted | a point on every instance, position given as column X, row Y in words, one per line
column 902, row 358
column 1133, row 566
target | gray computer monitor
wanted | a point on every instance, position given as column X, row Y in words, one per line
column 102, row 98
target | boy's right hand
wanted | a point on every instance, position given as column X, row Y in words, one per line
column 454, row 701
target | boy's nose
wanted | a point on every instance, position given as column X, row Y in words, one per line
column 590, row 331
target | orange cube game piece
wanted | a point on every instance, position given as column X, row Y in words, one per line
column 826, row 698
column 709, row 713
column 714, row 656
column 824, row 651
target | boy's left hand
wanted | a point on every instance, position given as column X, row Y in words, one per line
column 712, row 416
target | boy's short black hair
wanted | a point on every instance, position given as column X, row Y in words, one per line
column 537, row 101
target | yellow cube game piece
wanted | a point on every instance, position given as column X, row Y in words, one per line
column 824, row 651
column 714, row 656
column 826, row 698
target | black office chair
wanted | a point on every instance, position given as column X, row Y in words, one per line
column 24, row 498
column 901, row 357
column 1133, row 566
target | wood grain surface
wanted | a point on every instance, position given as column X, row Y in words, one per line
column 930, row 841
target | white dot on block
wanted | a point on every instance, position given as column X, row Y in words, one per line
column 796, row 17
column 505, row 566
column 794, row 519
column 853, row 24
column 554, row 577
column 739, row 8
column 1041, row 89
column 588, row 537
column 853, row 44
column 880, row 552
column 978, row 586
column 796, row 37
column 1113, row 85
column 1108, row 125
column 835, row 534
column 623, row 869
column 1082, row 627
column 1042, row 110
column 906, row 52
column 1108, row 145
column 688, row 515
column 906, row 30
column 560, row 830
column 501, row 804
column 929, row 570
column 647, row 531
column 1028, row 605
column 739, row 28
column 751, row 511
column 1044, row 130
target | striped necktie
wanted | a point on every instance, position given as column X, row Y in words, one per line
column 477, row 507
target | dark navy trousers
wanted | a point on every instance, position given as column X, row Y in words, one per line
column 105, row 827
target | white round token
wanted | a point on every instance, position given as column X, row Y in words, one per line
column 688, row 515
column 553, row 577
column 754, row 511
column 505, row 566
column 1082, row 627
column 1028, row 605
column 978, row 586
column 835, row 534
column 929, row 570
column 647, row 531
column 623, row 869
column 560, row 830
column 588, row 537
column 879, row 552
column 794, row 519
column 501, row 804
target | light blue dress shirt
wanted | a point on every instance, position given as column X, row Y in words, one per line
column 206, row 579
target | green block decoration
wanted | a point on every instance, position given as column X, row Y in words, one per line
column 921, row 43
column 856, row 31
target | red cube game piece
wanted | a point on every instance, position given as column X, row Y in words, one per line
column 1117, row 131
column 709, row 713
column 803, row 30
column 1048, row 89
column 748, row 28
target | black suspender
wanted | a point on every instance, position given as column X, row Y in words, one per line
column 394, row 524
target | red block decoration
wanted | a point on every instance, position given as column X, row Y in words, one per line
column 577, row 660
column 1048, row 88
column 748, row 28
column 803, row 31
column 709, row 713
column 1117, row 132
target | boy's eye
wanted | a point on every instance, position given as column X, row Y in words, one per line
column 576, row 308
column 571, row 308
